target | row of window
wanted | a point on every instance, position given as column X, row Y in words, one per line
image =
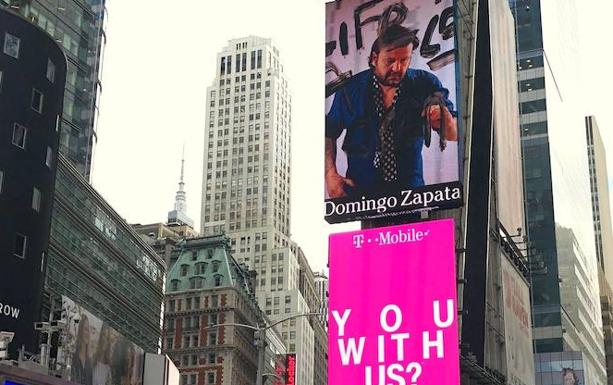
column 12, row 46
column 200, row 268
column 20, row 136
column 36, row 194
column 192, row 379
column 190, row 303
column 241, row 62
column 192, row 360
column 196, row 283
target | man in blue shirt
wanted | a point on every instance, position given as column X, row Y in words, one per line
column 383, row 110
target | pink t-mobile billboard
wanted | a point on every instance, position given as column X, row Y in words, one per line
column 393, row 301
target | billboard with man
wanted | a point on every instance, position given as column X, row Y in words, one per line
column 391, row 135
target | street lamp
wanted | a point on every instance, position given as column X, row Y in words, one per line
column 260, row 340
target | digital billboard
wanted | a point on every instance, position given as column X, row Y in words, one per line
column 393, row 306
column 391, row 127
column 285, row 370
column 95, row 352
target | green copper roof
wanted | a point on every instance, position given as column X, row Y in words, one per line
column 205, row 263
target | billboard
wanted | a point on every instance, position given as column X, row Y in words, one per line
column 285, row 370
column 517, row 326
column 391, row 135
column 95, row 353
column 393, row 306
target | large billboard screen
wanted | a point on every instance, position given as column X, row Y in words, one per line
column 393, row 306
column 95, row 353
column 391, row 135
column 517, row 326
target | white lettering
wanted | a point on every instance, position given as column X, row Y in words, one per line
column 437, row 314
column 406, row 194
column 340, row 321
column 391, row 373
column 399, row 338
column 397, row 316
column 437, row 343
column 351, row 351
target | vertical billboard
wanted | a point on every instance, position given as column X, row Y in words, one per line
column 285, row 369
column 391, row 134
column 94, row 353
column 517, row 326
column 393, row 306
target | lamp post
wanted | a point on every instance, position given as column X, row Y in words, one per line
column 260, row 340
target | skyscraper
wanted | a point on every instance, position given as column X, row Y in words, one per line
column 77, row 26
column 32, row 75
column 556, row 178
column 603, row 231
column 246, row 183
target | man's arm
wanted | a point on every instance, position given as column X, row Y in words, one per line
column 451, row 125
column 334, row 182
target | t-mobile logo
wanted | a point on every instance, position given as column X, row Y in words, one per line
column 358, row 240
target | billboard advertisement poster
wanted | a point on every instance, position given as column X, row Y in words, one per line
column 393, row 306
column 285, row 369
column 517, row 326
column 95, row 352
column 391, row 131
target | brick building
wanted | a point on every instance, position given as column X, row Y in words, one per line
column 206, row 286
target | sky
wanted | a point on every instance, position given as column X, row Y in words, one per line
column 160, row 57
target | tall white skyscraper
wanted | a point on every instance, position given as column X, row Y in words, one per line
column 246, row 183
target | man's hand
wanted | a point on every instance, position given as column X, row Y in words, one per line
column 434, row 116
column 335, row 185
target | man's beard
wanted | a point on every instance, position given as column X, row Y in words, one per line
column 390, row 79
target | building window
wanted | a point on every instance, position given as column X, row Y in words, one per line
column 196, row 282
column 212, row 338
column 171, row 305
column 184, row 269
column 210, row 378
column 49, row 157
column 174, row 285
column 20, row 245
column 193, row 378
column 50, row 71
column 215, row 266
column 19, row 135
column 36, row 199
column 194, row 255
column 37, row 100
column 196, row 302
column 211, row 358
column 213, row 320
column 11, row 45
column 214, row 300
column 218, row 279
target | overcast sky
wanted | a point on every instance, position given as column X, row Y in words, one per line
column 159, row 59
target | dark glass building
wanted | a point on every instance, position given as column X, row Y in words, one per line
column 32, row 77
column 558, row 208
column 96, row 259
column 78, row 27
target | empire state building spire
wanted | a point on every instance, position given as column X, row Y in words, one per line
column 179, row 214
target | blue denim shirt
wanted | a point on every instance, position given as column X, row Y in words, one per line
column 354, row 110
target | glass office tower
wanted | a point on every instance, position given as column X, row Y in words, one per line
column 566, row 304
column 77, row 26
